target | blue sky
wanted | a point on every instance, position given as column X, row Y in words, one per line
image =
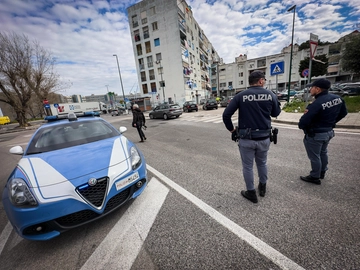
column 84, row 35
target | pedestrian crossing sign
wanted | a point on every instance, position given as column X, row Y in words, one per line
column 277, row 68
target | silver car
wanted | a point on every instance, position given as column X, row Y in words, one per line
column 166, row 111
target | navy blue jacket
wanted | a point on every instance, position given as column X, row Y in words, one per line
column 322, row 114
column 256, row 105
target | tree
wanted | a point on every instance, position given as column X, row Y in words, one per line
column 26, row 73
column 317, row 69
column 350, row 59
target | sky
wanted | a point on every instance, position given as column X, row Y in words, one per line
column 83, row 35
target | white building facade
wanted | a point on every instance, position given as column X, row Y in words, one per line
column 173, row 55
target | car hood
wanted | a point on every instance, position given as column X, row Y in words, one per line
column 74, row 164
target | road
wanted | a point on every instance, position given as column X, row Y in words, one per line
column 192, row 215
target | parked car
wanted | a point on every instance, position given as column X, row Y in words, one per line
column 116, row 112
column 225, row 102
column 75, row 169
column 353, row 89
column 4, row 120
column 166, row 111
column 190, row 106
column 283, row 95
column 210, row 104
column 338, row 92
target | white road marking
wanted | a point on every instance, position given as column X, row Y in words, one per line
column 4, row 236
column 122, row 244
column 272, row 254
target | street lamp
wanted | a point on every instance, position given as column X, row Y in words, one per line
column 122, row 87
column 292, row 46
column 161, row 74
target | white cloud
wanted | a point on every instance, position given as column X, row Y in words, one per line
column 84, row 35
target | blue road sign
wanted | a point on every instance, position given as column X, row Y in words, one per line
column 277, row 68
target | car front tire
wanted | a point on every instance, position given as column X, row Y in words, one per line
column 151, row 116
column 165, row 116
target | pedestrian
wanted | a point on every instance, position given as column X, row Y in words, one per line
column 138, row 121
column 318, row 122
column 255, row 107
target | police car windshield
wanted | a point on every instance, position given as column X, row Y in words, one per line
column 68, row 134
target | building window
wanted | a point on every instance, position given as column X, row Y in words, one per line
column 222, row 84
column 134, row 21
column 143, row 17
column 153, row 87
column 137, row 35
column 241, row 74
column 157, row 42
column 154, row 26
column 148, row 47
column 241, row 82
column 145, row 88
column 151, row 11
column 146, row 32
column 141, row 63
column 151, row 74
column 230, row 84
column 139, row 49
column 143, row 76
column 150, row 61
column 158, row 57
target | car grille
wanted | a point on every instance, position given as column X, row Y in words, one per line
column 87, row 215
column 94, row 195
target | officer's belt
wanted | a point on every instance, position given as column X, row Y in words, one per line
column 254, row 134
column 322, row 130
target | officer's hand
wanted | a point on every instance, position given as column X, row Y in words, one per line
column 234, row 137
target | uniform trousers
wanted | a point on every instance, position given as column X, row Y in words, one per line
column 250, row 150
column 139, row 126
column 316, row 149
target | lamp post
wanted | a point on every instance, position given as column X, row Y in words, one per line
column 292, row 46
column 122, row 87
column 162, row 82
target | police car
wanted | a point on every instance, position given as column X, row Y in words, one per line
column 75, row 169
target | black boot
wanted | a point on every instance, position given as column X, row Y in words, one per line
column 311, row 179
column 262, row 189
column 250, row 195
column 322, row 175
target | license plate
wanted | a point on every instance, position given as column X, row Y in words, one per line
column 124, row 182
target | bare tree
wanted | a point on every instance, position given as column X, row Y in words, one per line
column 26, row 74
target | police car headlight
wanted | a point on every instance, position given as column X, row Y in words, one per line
column 19, row 193
column 135, row 158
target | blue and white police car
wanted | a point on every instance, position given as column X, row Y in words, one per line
column 74, row 170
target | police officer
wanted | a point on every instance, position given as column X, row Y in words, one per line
column 318, row 122
column 255, row 107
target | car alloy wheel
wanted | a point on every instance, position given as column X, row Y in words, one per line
column 165, row 116
column 151, row 116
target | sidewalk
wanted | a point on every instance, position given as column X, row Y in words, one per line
column 351, row 120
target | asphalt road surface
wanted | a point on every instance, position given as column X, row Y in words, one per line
column 192, row 215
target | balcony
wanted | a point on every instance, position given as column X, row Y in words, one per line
column 137, row 38
column 152, row 77
column 135, row 24
column 146, row 35
column 143, row 79
column 142, row 66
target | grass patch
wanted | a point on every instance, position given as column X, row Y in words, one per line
column 352, row 104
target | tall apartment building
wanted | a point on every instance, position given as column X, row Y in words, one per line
column 173, row 55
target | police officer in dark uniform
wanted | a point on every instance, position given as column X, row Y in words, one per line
column 318, row 122
column 255, row 107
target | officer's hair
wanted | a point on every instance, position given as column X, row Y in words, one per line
column 253, row 80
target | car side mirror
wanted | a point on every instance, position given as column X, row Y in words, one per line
column 122, row 129
column 17, row 150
